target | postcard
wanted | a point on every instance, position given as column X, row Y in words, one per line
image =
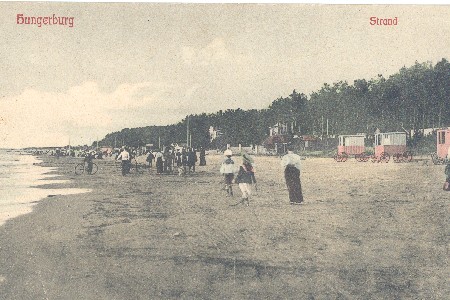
column 224, row 151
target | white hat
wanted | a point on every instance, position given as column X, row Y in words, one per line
column 228, row 152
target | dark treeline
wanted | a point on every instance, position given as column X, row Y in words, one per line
column 414, row 98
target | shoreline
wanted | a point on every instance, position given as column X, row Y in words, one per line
column 38, row 182
column 369, row 233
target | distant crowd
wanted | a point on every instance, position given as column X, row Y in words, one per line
column 168, row 160
column 60, row 152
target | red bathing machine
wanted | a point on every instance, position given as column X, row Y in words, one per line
column 350, row 145
column 391, row 144
column 443, row 143
column 442, row 154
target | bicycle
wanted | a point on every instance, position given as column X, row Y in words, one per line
column 83, row 167
column 133, row 168
column 136, row 167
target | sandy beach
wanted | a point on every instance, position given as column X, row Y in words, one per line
column 365, row 231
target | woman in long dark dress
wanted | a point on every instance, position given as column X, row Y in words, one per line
column 202, row 157
column 150, row 158
column 159, row 163
column 291, row 164
column 192, row 159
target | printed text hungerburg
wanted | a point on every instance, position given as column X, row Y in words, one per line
column 47, row 20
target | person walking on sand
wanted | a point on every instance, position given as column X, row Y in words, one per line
column 245, row 178
column 179, row 162
column 184, row 159
column 191, row 159
column 227, row 169
column 125, row 158
column 165, row 154
column 202, row 157
column 291, row 164
column 149, row 159
column 447, row 179
column 169, row 162
column 159, row 162
column 90, row 164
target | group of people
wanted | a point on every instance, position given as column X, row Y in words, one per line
column 182, row 159
column 245, row 176
column 291, row 165
column 166, row 161
column 72, row 152
column 186, row 159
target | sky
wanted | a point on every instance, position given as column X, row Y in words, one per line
column 125, row 65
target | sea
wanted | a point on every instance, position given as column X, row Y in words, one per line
column 20, row 179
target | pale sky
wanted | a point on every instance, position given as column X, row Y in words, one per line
column 138, row 64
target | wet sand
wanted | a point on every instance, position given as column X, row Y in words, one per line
column 365, row 231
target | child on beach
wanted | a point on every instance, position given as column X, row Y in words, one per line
column 227, row 169
column 245, row 178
